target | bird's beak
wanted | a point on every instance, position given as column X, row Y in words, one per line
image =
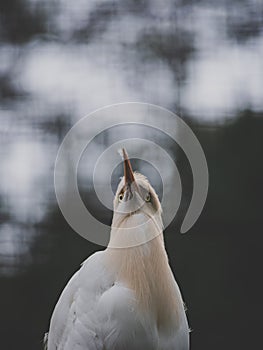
column 128, row 172
column 131, row 187
column 129, row 178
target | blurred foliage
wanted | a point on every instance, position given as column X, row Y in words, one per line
column 217, row 263
column 211, row 262
column 19, row 21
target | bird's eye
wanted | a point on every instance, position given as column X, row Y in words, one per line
column 121, row 197
column 148, row 198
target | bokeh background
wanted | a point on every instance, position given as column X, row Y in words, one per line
column 60, row 60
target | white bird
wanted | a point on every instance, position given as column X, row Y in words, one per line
column 125, row 297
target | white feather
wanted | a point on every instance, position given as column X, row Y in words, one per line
column 95, row 311
column 122, row 299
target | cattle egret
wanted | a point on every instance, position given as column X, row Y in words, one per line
column 125, row 297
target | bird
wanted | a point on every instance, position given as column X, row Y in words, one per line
column 124, row 297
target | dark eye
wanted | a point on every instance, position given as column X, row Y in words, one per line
column 148, row 198
column 121, row 197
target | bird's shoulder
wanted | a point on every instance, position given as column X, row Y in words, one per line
column 94, row 276
column 78, row 300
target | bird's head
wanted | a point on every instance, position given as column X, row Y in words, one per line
column 137, row 209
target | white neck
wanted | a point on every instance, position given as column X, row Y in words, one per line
column 145, row 269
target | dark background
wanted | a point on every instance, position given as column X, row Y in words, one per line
column 201, row 59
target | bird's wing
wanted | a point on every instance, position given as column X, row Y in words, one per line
column 96, row 312
column 123, row 325
column 71, row 325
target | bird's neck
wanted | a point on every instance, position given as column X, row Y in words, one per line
column 145, row 269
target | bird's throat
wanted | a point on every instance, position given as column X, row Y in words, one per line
column 134, row 229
